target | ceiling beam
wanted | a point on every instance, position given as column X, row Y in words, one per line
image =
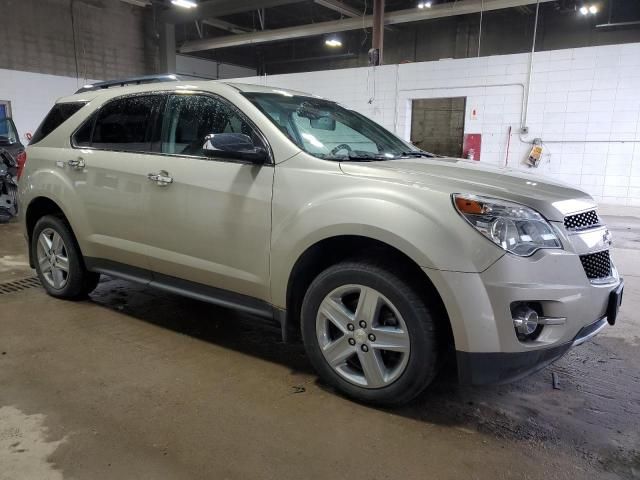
column 217, row 8
column 224, row 25
column 461, row 7
column 138, row 3
column 338, row 6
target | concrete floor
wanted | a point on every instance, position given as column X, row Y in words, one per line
column 139, row 384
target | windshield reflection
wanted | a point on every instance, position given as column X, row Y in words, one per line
column 327, row 130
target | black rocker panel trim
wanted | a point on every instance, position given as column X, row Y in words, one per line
column 178, row 286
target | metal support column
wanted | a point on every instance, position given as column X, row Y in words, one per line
column 167, row 48
column 375, row 54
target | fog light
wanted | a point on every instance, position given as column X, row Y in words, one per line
column 525, row 320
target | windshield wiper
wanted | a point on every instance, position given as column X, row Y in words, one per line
column 418, row 153
column 363, row 157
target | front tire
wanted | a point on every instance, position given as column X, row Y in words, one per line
column 369, row 334
column 58, row 260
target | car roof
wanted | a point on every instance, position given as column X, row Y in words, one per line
column 216, row 86
column 251, row 88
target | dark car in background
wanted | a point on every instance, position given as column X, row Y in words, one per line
column 10, row 141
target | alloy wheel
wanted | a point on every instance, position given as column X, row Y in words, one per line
column 53, row 259
column 362, row 336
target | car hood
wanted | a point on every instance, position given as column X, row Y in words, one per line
column 453, row 175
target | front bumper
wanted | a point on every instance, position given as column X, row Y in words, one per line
column 479, row 309
column 496, row 368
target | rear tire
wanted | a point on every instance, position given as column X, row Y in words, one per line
column 59, row 263
column 369, row 334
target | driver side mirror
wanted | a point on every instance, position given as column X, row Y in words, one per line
column 234, row 145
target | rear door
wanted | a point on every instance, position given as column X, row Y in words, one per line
column 212, row 224
column 109, row 166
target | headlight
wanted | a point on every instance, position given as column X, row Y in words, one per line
column 517, row 229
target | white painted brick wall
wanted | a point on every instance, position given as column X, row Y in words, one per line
column 32, row 95
column 584, row 103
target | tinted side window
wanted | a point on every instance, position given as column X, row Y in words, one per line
column 82, row 137
column 125, row 124
column 190, row 118
column 56, row 117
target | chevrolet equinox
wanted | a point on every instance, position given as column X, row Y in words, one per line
column 287, row 206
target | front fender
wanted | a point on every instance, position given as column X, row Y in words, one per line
column 420, row 223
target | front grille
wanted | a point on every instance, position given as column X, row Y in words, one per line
column 582, row 220
column 597, row 265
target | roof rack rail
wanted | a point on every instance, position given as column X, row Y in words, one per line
column 128, row 81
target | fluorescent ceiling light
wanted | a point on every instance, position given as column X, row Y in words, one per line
column 184, row 3
column 589, row 9
column 333, row 42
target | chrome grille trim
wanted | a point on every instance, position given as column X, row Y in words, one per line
column 597, row 265
column 582, row 221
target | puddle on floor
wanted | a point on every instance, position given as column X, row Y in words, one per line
column 25, row 448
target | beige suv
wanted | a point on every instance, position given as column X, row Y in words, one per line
column 290, row 207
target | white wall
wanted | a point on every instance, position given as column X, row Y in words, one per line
column 584, row 104
column 32, row 95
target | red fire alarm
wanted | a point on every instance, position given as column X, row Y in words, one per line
column 471, row 146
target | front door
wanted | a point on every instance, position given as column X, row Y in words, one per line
column 212, row 223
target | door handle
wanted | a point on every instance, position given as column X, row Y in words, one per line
column 76, row 164
column 161, row 178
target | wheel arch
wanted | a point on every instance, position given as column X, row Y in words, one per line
column 331, row 250
column 38, row 208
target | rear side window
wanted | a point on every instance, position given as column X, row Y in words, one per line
column 124, row 124
column 82, row 137
column 56, row 117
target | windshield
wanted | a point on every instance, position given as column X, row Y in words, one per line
column 327, row 130
column 8, row 134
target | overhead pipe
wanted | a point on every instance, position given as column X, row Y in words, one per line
column 338, row 6
column 523, row 124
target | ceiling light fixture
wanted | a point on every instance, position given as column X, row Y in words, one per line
column 184, row 3
column 333, row 42
column 589, row 9
column 424, row 5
